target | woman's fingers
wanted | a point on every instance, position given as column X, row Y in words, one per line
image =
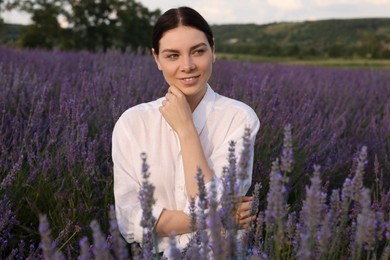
column 246, row 198
column 169, row 96
column 244, row 223
column 243, row 215
column 176, row 111
column 174, row 91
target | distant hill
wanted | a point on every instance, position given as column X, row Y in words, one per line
column 324, row 38
column 336, row 37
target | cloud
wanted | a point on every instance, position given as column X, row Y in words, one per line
column 286, row 4
column 325, row 3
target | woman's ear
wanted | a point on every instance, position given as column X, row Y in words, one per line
column 155, row 56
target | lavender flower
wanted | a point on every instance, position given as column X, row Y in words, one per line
column 229, row 202
column 3, row 244
column 119, row 244
column 287, row 159
column 247, row 238
column 10, row 177
column 229, row 193
column 258, row 243
column 325, row 236
column 245, row 156
column 100, row 248
column 275, row 214
column 48, row 248
column 214, row 224
column 311, row 216
column 12, row 255
column 7, row 217
column 84, row 249
column 357, row 180
column 174, row 252
column 202, row 215
column 365, row 231
column 147, row 201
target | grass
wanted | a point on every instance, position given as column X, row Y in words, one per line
column 321, row 62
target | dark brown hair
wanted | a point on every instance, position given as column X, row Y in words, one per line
column 175, row 17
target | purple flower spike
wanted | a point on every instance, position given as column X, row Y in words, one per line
column 287, row 159
column 311, row 216
column 147, row 201
column 100, row 248
column 84, row 249
column 48, row 248
column 365, row 230
column 119, row 244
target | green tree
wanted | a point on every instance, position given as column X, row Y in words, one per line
column 45, row 31
column 135, row 25
column 93, row 23
column 3, row 7
column 104, row 24
column 371, row 45
column 96, row 25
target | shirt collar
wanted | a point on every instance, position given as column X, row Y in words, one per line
column 202, row 111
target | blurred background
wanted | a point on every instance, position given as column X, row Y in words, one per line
column 345, row 33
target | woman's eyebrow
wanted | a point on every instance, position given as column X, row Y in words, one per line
column 192, row 48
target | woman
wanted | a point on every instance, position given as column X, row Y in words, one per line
column 188, row 128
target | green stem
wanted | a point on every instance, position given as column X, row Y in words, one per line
column 67, row 241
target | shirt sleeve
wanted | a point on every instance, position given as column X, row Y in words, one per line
column 126, row 184
column 235, row 132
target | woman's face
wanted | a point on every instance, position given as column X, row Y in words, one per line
column 185, row 59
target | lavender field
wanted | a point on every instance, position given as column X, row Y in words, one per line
column 57, row 115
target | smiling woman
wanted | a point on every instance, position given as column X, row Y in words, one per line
column 186, row 61
column 189, row 128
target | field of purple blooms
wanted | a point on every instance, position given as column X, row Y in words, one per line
column 57, row 115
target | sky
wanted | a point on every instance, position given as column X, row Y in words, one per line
column 261, row 11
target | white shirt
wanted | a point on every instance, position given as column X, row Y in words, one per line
column 142, row 128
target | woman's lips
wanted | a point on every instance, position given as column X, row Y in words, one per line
column 190, row 80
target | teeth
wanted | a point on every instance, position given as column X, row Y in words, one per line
column 189, row 79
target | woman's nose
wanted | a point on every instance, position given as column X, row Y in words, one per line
column 187, row 65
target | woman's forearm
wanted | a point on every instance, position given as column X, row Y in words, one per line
column 172, row 222
column 193, row 157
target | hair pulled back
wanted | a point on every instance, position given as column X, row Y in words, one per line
column 175, row 17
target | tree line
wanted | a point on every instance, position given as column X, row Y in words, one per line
column 95, row 25
column 100, row 25
column 368, row 38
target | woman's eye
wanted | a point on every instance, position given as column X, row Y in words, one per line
column 199, row 52
column 172, row 56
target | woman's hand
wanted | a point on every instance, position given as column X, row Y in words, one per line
column 243, row 216
column 176, row 111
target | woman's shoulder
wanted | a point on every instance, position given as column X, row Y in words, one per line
column 142, row 110
column 233, row 106
column 139, row 115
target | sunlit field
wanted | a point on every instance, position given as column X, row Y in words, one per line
column 312, row 61
column 324, row 190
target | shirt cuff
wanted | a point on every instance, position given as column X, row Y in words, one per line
column 138, row 229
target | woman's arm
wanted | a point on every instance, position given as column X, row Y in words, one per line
column 177, row 222
column 172, row 222
column 178, row 114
